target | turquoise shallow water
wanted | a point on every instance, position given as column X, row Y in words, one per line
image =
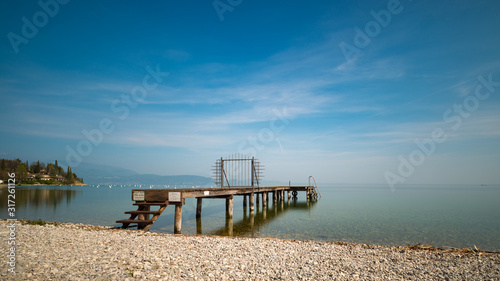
column 443, row 216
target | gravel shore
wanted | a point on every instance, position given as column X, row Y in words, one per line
column 82, row 252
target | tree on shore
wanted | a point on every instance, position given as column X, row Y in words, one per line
column 21, row 172
column 70, row 179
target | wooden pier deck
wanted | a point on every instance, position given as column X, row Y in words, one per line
column 143, row 218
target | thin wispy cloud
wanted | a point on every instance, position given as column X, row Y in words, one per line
column 347, row 119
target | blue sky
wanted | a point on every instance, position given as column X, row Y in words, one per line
column 262, row 78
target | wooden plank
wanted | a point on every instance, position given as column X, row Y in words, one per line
column 154, row 194
column 149, row 203
column 141, row 212
column 161, row 195
column 133, row 221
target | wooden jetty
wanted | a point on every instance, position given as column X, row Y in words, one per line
column 236, row 176
column 144, row 217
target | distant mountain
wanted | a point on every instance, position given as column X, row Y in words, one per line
column 102, row 174
column 90, row 171
column 187, row 180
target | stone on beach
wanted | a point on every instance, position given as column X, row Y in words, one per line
column 81, row 252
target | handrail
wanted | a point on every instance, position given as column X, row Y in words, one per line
column 315, row 185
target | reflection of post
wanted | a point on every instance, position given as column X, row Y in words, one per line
column 229, row 206
column 288, row 195
column 178, row 219
column 251, row 202
column 264, row 200
column 198, row 207
column 252, row 220
column 198, row 225
column 264, row 212
column 282, row 195
column 229, row 226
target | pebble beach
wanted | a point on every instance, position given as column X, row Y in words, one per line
column 83, row 252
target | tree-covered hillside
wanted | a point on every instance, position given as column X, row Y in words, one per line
column 37, row 172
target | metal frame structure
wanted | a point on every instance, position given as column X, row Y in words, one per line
column 237, row 171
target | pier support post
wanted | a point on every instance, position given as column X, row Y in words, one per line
column 275, row 195
column 282, row 195
column 257, row 200
column 264, row 199
column 244, row 201
column 178, row 219
column 229, row 206
column 198, row 226
column 251, row 202
column 198, row 207
column 289, row 194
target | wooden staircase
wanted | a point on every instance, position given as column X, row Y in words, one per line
column 140, row 217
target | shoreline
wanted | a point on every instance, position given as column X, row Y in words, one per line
column 2, row 185
column 78, row 251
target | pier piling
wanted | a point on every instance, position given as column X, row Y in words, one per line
column 198, row 207
column 252, row 198
column 229, row 206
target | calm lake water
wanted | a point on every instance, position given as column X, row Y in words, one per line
column 443, row 216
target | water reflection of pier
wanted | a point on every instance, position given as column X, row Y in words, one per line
column 252, row 221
